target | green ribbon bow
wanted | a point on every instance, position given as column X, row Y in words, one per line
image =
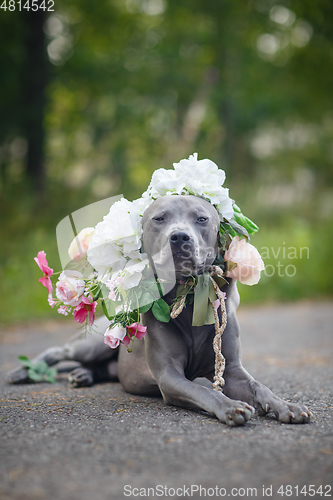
column 204, row 295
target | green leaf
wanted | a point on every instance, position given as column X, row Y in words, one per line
column 96, row 292
column 244, row 221
column 25, row 361
column 50, row 376
column 50, row 380
column 161, row 311
column 238, row 228
column 146, row 302
column 52, row 372
column 155, row 289
column 236, row 208
column 147, row 282
column 144, row 309
column 40, row 367
column 137, row 293
column 250, row 226
column 108, row 308
column 23, row 358
column 229, row 230
column 82, row 265
column 34, row 375
column 39, row 370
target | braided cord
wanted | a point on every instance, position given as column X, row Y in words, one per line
column 219, row 329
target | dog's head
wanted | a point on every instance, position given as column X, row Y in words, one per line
column 180, row 235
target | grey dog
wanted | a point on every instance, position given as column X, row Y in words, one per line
column 173, row 360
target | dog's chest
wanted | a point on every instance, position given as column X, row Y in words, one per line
column 199, row 346
column 201, row 356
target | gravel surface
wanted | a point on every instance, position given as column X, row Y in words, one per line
column 101, row 443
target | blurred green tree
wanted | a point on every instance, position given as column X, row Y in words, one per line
column 141, row 83
column 96, row 95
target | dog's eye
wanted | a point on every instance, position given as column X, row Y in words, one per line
column 159, row 219
column 202, row 219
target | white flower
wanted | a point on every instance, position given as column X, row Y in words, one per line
column 197, row 177
column 121, row 222
column 165, row 182
column 204, row 168
column 116, row 239
column 127, row 278
column 140, row 205
column 225, row 205
column 104, row 255
column 133, row 273
column 80, row 244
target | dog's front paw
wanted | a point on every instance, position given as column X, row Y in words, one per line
column 287, row 413
column 81, row 377
column 235, row 413
column 265, row 401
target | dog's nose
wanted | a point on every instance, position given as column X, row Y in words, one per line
column 179, row 237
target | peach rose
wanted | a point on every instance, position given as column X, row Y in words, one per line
column 247, row 259
column 79, row 246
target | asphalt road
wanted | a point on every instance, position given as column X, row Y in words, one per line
column 100, row 443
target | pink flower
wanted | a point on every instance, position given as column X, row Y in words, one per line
column 44, row 267
column 113, row 340
column 123, row 335
column 112, row 295
column 63, row 310
column 137, row 330
column 126, row 340
column 112, row 284
column 81, row 311
column 70, row 287
column 51, row 301
column 248, row 260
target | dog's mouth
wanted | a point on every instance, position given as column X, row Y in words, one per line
column 190, row 263
column 182, row 261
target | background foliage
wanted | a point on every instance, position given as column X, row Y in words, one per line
column 97, row 95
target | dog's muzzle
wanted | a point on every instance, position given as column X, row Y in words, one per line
column 177, row 239
column 180, row 254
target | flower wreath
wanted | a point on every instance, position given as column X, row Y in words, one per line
column 108, row 266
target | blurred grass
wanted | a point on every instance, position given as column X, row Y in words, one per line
column 298, row 263
column 28, row 228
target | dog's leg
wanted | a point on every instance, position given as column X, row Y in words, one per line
column 179, row 391
column 239, row 384
column 136, row 378
column 97, row 360
column 167, row 356
column 106, row 371
column 134, row 373
column 51, row 356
